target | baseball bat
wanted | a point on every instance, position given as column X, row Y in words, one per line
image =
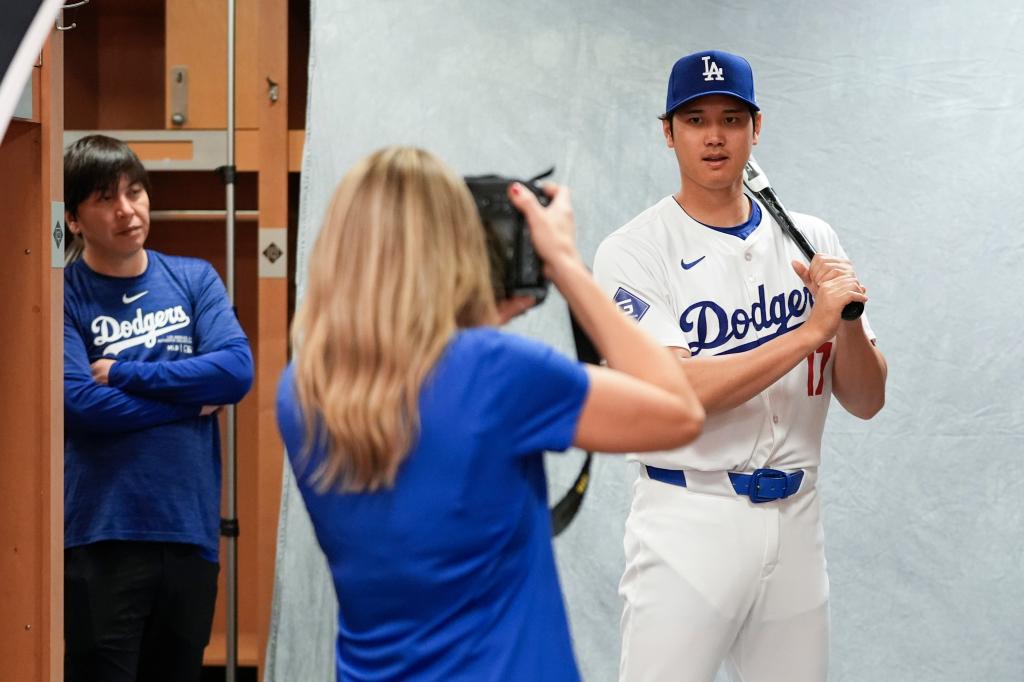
column 757, row 182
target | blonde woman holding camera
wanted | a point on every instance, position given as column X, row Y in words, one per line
column 415, row 427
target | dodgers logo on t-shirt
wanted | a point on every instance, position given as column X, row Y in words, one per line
column 631, row 304
column 140, row 330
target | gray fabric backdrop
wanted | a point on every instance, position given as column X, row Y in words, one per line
column 899, row 123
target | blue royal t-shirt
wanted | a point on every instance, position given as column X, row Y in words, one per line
column 450, row 575
column 139, row 461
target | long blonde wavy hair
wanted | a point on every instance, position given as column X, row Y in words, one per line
column 399, row 265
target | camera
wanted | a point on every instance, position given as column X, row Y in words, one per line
column 516, row 269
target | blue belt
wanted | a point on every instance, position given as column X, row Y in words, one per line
column 763, row 485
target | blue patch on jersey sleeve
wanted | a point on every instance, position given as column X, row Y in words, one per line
column 631, row 304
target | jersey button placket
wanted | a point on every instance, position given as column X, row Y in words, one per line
column 751, row 285
column 751, row 279
column 772, row 420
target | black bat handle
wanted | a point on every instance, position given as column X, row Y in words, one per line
column 853, row 309
column 774, row 206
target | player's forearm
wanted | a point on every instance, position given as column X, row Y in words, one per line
column 859, row 372
column 723, row 382
column 624, row 346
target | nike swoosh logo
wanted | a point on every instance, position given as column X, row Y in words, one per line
column 131, row 299
column 687, row 266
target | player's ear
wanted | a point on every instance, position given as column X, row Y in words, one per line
column 666, row 128
column 757, row 126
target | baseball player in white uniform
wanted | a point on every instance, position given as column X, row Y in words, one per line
column 724, row 548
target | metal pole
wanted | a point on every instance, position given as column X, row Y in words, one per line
column 231, row 558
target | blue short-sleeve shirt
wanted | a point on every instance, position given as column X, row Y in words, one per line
column 450, row 575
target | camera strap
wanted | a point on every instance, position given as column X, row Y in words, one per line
column 546, row 174
column 565, row 510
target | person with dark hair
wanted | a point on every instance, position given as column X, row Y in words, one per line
column 725, row 560
column 152, row 349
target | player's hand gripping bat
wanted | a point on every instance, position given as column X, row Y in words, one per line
column 757, row 182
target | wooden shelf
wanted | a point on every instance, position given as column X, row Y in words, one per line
column 114, row 77
column 187, row 150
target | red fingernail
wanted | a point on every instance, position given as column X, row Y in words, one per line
column 516, row 189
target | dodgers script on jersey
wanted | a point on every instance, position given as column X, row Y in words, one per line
column 712, row 293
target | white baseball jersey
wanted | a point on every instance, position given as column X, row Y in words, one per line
column 713, row 293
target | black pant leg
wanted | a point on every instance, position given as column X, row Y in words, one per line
column 172, row 649
column 109, row 592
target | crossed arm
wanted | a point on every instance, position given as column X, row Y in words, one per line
column 98, row 408
column 111, row 396
column 858, row 374
column 220, row 377
column 859, row 371
column 115, row 396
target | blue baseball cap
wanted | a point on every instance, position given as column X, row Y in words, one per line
column 711, row 72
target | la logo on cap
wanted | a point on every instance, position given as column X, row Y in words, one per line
column 712, row 71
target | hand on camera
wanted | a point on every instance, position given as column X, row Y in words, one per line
column 833, row 284
column 510, row 308
column 552, row 228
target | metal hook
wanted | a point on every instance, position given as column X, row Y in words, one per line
column 71, row 5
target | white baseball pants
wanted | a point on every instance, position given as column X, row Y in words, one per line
column 712, row 577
